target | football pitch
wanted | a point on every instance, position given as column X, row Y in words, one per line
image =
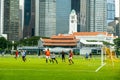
column 35, row 68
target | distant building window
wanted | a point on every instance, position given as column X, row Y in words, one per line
column 27, row 13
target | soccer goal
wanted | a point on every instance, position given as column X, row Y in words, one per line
column 107, row 54
column 102, row 59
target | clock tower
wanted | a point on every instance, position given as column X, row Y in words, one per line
column 72, row 22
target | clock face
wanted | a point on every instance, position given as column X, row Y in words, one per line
column 72, row 21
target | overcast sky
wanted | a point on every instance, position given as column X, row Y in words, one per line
column 116, row 7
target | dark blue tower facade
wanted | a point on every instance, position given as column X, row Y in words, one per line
column 29, row 18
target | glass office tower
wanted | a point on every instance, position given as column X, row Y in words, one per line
column 98, row 16
column 45, row 18
column 63, row 9
column 11, row 20
column 84, row 12
column 110, row 10
column 29, row 18
column 75, row 4
column 0, row 17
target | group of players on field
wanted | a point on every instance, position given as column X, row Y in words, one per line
column 49, row 56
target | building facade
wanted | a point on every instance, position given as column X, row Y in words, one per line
column 110, row 10
column 45, row 18
column 83, row 15
column 118, row 19
column 93, row 15
column 0, row 17
column 11, row 20
column 21, row 17
column 75, row 4
column 29, row 18
column 98, row 16
column 63, row 9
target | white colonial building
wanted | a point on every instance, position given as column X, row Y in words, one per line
column 91, row 41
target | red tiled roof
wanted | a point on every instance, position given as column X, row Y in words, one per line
column 60, row 41
column 58, row 44
column 88, row 33
column 63, row 36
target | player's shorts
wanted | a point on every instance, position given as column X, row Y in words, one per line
column 48, row 57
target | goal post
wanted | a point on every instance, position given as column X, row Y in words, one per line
column 102, row 59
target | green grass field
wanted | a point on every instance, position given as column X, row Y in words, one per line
column 36, row 69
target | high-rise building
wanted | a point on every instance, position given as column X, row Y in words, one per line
column 111, row 16
column 110, row 10
column 29, row 18
column 11, row 20
column 21, row 17
column 96, row 16
column 93, row 15
column 63, row 9
column 75, row 5
column 117, row 19
column 45, row 18
column 84, row 9
column 1, row 17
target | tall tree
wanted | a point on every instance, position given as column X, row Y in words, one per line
column 117, row 46
column 3, row 43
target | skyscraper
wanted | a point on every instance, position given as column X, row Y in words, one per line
column 45, row 18
column 63, row 9
column 1, row 17
column 96, row 15
column 21, row 19
column 29, row 18
column 84, row 9
column 75, row 5
column 11, row 20
column 110, row 10
column 117, row 28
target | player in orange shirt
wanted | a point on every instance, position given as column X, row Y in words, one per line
column 47, row 53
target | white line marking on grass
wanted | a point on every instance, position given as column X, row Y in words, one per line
column 100, row 67
column 5, row 69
